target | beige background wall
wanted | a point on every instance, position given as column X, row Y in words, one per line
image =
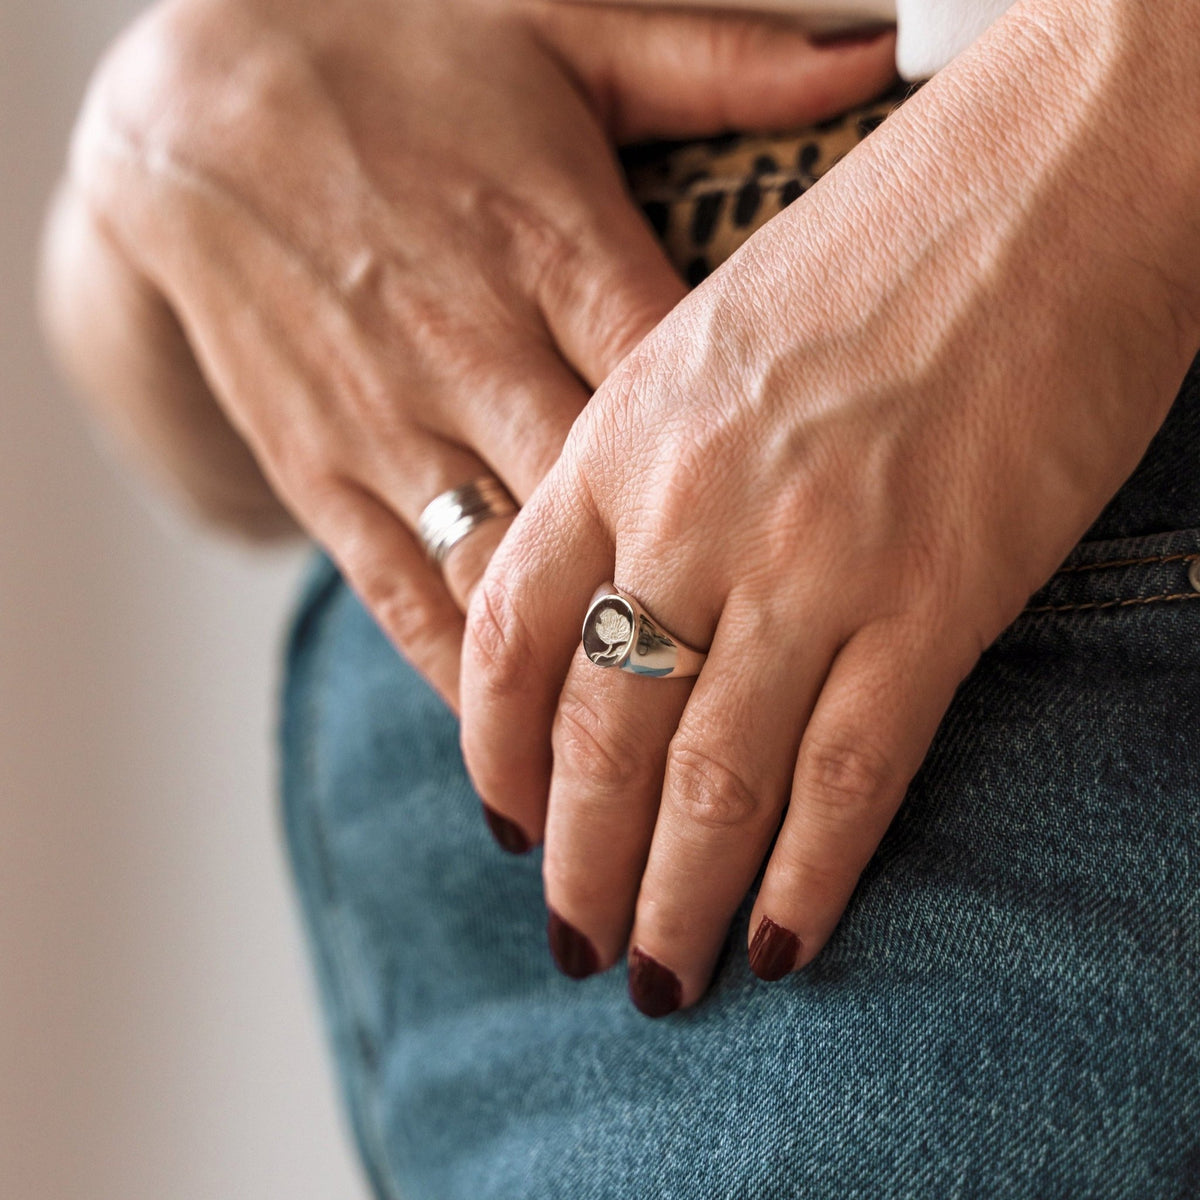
column 158, row 1039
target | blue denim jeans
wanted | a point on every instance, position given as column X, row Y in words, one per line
column 1009, row 1009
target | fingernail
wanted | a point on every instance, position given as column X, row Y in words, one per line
column 846, row 39
column 573, row 953
column 773, row 950
column 507, row 833
column 654, row 989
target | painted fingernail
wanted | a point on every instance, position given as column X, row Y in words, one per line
column 655, row 990
column 507, row 833
column 773, row 950
column 573, row 953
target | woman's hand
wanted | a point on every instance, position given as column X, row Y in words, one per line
column 840, row 466
column 389, row 238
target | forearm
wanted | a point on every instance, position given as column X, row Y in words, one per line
column 128, row 358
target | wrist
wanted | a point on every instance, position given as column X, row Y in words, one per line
column 1129, row 75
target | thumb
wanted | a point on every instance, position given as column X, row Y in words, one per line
column 656, row 73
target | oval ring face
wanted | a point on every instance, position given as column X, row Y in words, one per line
column 609, row 630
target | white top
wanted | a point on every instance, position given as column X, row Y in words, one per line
column 929, row 33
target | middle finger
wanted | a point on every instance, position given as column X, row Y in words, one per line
column 610, row 738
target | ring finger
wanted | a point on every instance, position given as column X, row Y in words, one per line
column 610, row 738
column 418, row 603
column 517, row 424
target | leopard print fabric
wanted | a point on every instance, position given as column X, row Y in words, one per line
column 705, row 198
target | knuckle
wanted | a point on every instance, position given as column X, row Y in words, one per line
column 313, row 489
column 840, row 777
column 821, row 884
column 619, row 310
column 597, row 439
column 164, row 108
column 412, row 621
column 621, row 319
column 710, row 792
column 586, row 743
column 167, row 97
column 396, row 308
column 551, row 258
column 498, row 644
column 620, row 397
column 300, row 468
column 587, row 276
column 567, row 883
column 415, row 616
column 157, row 60
column 729, row 44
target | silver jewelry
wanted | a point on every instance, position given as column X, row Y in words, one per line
column 619, row 632
column 451, row 516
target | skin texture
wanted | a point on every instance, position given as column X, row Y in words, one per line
column 320, row 262
column 842, row 465
column 346, row 254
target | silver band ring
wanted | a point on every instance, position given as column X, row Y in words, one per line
column 619, row 632
column 452, row 515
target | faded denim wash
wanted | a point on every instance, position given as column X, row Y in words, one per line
column 1010, row 1009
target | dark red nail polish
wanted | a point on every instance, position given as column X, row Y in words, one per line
column 507, row 833
column 846, row 39
column 573, row 953
column 654, row 989
column 773, row 950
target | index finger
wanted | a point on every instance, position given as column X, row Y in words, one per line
column 523, row 626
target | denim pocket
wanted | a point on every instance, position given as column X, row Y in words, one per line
column 1122, row 574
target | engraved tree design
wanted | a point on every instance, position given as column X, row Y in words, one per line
column 613, row 629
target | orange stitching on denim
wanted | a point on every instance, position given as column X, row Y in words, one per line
column 1044, row 608
column 1130, row 562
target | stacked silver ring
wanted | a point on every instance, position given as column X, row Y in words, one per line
column 451, row 516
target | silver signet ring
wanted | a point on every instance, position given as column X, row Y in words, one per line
column 619, row 632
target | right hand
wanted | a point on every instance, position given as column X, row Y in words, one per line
column 392, row 242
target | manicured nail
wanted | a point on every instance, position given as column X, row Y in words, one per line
column 773, row 950
column 654, row 989
column 507, row 833
column 573, row 953
column 847, row 39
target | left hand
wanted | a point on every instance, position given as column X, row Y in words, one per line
column 841, row 465
column 421, row 269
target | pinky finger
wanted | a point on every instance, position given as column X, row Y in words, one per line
column 882, row 701
column 390, row 572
